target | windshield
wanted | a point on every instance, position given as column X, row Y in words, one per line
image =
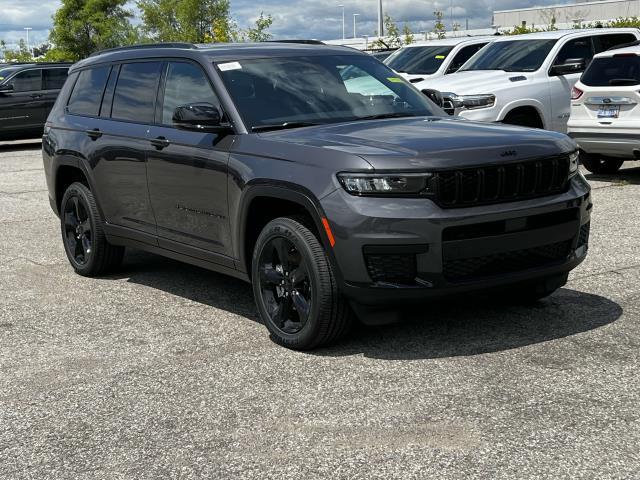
column 613, row 71
column 6, row 71
column 418, row 60
column 511, row 56
column 319, row 89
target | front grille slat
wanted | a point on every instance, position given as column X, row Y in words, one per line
column 503, row 183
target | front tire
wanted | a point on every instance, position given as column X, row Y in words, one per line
column 88, row 251
column 295, row 288
column 598, row 165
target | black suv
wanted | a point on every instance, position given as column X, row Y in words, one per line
column 313, row 172
column 27, row 94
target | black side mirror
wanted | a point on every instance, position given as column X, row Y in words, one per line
column 571, row 65
column 435, row 96
column 199, row 116
column 7, row 88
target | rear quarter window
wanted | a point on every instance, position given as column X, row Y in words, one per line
column 613, row 71
column 87, row 93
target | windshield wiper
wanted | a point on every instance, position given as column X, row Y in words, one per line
column 282, row 126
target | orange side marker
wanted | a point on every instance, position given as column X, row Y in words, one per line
column 327, row 228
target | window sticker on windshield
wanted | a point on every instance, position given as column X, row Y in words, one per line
column 225, row 67
column 394, row 80
column 440, row 57
column 1, row 78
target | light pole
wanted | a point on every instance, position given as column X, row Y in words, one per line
column 355, row 15
column 27, row 29
column 342, row 6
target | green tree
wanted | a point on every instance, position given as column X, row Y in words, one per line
column 81, row 27
column 196, row 21
column 409, row 37
column 392, row 38
column 439, row 29
column 21, row 54
column 259, row 32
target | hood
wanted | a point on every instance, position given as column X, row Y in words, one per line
column 425, row 143
column 415, row 78
column 476, row 82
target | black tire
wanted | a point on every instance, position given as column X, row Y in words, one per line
column 83, row 235
column 286, row 251
column 598, row 165
column 522, row 119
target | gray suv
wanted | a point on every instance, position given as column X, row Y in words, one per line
column 313, row 172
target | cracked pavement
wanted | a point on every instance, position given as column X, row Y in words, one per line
column 163, row 371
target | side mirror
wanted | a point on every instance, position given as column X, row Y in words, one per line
column 6, row 88
column 435, row 96
column 199, row 116
column 571, row 65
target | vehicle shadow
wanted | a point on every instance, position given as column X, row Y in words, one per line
column 445, row 329
column 624, row 175
column 22, row 145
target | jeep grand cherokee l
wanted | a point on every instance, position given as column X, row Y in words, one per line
column 262, row 162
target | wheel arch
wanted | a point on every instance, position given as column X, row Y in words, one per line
column 69, row 169
column 525, row 105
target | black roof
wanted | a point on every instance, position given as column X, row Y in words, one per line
column 215, row 51
column 35, row 64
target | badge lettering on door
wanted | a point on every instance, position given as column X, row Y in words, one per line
column 199, row 212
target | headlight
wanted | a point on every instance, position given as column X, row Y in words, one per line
column 574, row 161
column 471, row 102
column 386, row 184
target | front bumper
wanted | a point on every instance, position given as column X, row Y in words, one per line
column 609, row 144
column 453, row 248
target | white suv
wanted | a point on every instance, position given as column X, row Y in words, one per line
column 605, row 116
column 527, row 79
column 421, row 62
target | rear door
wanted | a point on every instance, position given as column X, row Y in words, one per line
column 560, row 85
column 52, row 81
column 187, row 174
column 23, row 107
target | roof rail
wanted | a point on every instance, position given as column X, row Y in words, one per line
column 143, row 46
column 305, row 42
column 625, row 45
column 11, row 64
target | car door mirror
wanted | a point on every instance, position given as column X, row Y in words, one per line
column 7, row 88
column 199, row 116
column 571, row 65
column 435, row 96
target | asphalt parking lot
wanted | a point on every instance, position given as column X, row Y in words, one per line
column 163, row 371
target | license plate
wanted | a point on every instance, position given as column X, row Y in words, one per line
column 609, row 111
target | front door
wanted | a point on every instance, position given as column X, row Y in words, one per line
column 22, row 108
column 187, row 169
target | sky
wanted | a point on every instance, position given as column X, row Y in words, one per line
column 319, row 19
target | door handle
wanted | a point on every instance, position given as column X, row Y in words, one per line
column 160, row 143
column 94, row 134
column 36, row 95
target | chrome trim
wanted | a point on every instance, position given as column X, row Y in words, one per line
column 609, row 101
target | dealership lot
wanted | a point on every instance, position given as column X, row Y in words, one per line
column 162, row 370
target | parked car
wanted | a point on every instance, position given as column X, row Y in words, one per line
column 27, row 94
column 382, row 54
column 527, row 79
column 258, row 162
column 605, row 115
column 422, row 62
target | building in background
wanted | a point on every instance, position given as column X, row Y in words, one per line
column 567, row 15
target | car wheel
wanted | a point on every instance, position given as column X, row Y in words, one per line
column 598, row 165
column 83, row 235
column 295, row 288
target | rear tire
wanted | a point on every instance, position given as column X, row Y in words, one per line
column 598, row 165
column 295, row 288
column 85, row 244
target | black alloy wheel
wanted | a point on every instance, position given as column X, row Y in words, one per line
column 285, row 285
column 77, row 230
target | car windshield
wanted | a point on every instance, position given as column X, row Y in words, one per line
column 418, row 60
column 618, row 70
column 511, row 56
column 298, row 91
column 6, row 71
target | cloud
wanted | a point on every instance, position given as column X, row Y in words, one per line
column 292, row 19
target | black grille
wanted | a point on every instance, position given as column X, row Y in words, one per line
column 392, row 268
column 583, row 237
column 506, row 262
column 502, row 183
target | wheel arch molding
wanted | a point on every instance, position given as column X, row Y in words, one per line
column 65, row 163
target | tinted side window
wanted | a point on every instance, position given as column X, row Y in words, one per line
column 463, row 55
column 185, row 83
column 87, row 93
column 614, row 39
column 27, row 81
column 578, row 48
column 613, row 71
column 53, row 78
column 135, row 94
